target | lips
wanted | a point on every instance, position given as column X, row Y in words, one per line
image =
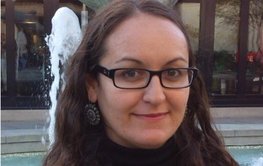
column 151, row 115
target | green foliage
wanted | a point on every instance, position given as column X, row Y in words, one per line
column 224, row 61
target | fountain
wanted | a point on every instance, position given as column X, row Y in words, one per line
column 62, row 42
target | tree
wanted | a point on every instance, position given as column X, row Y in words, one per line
column 228, row 11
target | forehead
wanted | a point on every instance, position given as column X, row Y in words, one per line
column 146, row 35
column 140, row 23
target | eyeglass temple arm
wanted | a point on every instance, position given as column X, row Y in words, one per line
column 103, row 70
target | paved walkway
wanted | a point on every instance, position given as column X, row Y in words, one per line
column 15, row 125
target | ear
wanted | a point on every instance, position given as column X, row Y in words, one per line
column 91, row 88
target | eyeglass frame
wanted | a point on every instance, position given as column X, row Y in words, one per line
column 111, row 72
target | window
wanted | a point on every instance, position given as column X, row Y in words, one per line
column 24, row 55
column 254, row 56
column 225, row 45
column 225, row 58
column 31, row 50
column 190, row 15
column 25, row 65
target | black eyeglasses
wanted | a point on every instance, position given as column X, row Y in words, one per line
column 136, row 78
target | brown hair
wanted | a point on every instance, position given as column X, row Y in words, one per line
column 76, row 142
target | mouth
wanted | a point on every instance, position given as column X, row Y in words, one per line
column 151, row 116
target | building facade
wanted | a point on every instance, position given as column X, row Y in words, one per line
column 226, row 36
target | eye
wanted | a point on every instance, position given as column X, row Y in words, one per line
column 172, row 74
column 130, row 74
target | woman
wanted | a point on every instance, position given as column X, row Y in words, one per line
column 133, row 95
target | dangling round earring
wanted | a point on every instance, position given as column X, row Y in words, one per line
column 92, row 113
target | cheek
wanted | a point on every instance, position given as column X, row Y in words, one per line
column 178, row 102
column 114, row 102
column 116, row 108
column 183, row 96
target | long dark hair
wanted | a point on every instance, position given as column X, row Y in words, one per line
column 76, row 142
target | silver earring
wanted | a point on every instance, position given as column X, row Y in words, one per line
column 93, row 114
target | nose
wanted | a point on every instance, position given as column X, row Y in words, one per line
column 154, row 93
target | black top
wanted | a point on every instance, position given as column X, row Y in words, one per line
column 121, row 156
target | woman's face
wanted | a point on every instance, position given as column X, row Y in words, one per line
column 142, row 118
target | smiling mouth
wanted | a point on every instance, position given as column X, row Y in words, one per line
column 151, row 116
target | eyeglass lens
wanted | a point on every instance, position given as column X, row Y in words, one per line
column 139, row 78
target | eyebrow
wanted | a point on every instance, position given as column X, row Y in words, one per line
column 129, row 59
column 141, row 63
column 177, row 59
